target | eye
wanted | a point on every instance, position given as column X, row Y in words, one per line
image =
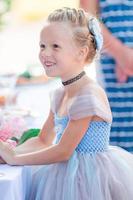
column 55, row 46
column 42, row 46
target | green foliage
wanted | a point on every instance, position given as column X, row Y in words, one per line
column 5, row 7
column 26, row 74
column 15, row 139
column 28, row 134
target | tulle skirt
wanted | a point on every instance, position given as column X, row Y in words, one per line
column 101, row 176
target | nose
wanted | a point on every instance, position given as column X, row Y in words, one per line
column 47, row 52
column 44, row 54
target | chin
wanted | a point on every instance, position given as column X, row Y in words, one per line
column 51, row 74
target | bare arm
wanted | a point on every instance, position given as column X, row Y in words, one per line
column 54, row 153
column 44, row 139
column 89, row 6
column 111, row 44
column 122, row 54
column 34, row 144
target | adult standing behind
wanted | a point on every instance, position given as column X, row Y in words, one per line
column 116, row 64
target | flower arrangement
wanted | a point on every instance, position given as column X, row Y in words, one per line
column 11, row 128
column 14, row 130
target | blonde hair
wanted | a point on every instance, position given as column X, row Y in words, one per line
column 79, row 20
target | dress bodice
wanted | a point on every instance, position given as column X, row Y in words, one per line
column 96, row 138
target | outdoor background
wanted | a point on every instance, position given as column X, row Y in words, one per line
column 20, row 25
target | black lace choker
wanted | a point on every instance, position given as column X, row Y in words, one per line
column 79, row 76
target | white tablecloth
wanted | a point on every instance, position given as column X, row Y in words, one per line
column 14, row 182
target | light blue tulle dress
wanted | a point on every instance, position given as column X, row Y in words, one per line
column 95, row 171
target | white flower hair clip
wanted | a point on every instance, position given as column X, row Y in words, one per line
column 95, row 30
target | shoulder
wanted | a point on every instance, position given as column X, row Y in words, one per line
column 100, row 93
column 94, row 91
column 55, row 97
column 56, row 94
column 91, row 100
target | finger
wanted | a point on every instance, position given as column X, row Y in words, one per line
column 121, row 75
column 129, row 71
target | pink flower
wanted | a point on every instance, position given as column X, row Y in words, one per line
column 12, row 143
column 12, row 126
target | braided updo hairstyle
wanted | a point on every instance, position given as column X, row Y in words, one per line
column 79, row 20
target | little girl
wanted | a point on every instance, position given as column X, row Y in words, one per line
column 73, row 146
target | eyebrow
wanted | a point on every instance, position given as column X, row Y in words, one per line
column 53, row 42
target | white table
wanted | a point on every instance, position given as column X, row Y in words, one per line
column 14, row 182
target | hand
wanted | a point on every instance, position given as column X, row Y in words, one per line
column 6, row 152
column 120, row 75
column 2, row 161
column 124, row 60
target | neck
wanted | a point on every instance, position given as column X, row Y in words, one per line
column 73, row 79
column 73, row 88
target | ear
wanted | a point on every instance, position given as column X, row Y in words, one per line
column 83, row 52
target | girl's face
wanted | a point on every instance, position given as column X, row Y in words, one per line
column 58, row 51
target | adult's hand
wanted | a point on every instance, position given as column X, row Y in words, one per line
column 124, row 60
column 121, row 76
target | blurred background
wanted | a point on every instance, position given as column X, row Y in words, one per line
column 24, row 87
column 20, row 25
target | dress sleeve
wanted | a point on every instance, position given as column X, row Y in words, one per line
column 89, row 105
column 55, row 97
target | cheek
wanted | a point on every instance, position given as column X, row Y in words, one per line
column 74, row 53
column 40, row 57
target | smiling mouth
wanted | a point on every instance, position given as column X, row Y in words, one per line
column 49, row 64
